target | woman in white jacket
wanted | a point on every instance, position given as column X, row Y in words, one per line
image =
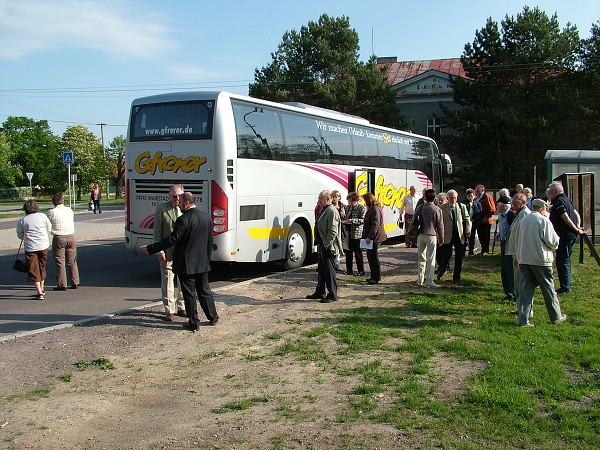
column 35, row 230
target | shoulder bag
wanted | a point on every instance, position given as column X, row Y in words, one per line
column 415, row 226
column 19, row 265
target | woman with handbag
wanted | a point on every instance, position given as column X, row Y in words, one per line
column 373, row 232
column 35, row 230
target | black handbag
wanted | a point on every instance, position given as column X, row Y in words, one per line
column 415, row 226
column 19, row 265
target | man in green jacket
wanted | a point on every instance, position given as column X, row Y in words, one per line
column 328, row 237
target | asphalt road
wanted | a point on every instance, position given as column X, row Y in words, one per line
column 112, row 279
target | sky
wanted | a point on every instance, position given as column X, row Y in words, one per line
column 83, row 61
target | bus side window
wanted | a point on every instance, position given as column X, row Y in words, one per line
column 302, row 139
column 339, row 146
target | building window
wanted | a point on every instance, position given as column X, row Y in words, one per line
column 434, row 128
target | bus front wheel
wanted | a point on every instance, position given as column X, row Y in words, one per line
column 296, row 247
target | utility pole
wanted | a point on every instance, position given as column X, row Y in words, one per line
column 102, row 125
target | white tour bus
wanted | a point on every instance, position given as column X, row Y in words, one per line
column 257, row 168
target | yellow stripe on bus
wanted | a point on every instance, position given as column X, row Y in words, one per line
column 281, row 233
column 268, row 232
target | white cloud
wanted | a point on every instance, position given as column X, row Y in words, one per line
column 191, row 72
column 119, row 28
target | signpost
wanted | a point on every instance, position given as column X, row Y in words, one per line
column 68, row 160
column 30, row 176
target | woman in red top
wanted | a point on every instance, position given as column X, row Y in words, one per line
column 95, row 197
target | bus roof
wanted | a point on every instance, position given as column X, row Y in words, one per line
column 289, row 106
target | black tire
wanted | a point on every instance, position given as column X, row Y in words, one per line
column 296, row 247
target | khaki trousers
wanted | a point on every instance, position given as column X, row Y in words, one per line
column 171, row 294
column 64, row 247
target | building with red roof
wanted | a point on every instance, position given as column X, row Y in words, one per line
column 420, row 86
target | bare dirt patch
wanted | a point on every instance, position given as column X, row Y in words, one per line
column 222, row 387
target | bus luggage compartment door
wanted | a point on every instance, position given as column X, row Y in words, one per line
column 253, row 229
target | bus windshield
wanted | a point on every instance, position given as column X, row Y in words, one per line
column 172, row 121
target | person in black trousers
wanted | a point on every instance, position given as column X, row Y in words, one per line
column 192, row 238
column 373, row 232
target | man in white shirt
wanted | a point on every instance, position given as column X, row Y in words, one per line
column 409, row 204
column 63, row 243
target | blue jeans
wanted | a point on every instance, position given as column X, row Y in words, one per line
column 506, row 271
column 563, row 262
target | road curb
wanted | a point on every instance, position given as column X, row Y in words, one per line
column 153, row 304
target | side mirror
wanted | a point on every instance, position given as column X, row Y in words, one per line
column 446, row 164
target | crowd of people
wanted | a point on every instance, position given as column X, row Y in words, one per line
column 529, row 231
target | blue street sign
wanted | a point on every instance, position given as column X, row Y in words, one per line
column 67, row 157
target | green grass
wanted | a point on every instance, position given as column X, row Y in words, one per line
column 241, row 405
column 103, row 363
column 66, row 377
column 34, row 394
column 527, row 387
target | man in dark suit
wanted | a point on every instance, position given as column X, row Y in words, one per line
column 192, row 239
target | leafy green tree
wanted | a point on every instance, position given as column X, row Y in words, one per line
column 589, row 82
column 116, row 162
column 319, row 65
column 10, row 171
column 518, row 101
column 33, row 148
column 88, row 158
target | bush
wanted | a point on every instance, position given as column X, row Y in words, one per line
column 15, row 193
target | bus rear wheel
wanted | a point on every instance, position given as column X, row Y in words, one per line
column 296, row 247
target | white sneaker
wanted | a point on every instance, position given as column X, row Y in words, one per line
column 527, row 325
column 431, row 284
column 561, row 319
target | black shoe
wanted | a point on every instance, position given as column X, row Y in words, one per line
column 74, row 286
column 372, row 281
column 330, row 298
column 562, row 291
column 189, row 327
column 360, row 274
column 214, row 321
column 315, row 296
column 59, row 288
column 441, row 274
column 349, row 272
